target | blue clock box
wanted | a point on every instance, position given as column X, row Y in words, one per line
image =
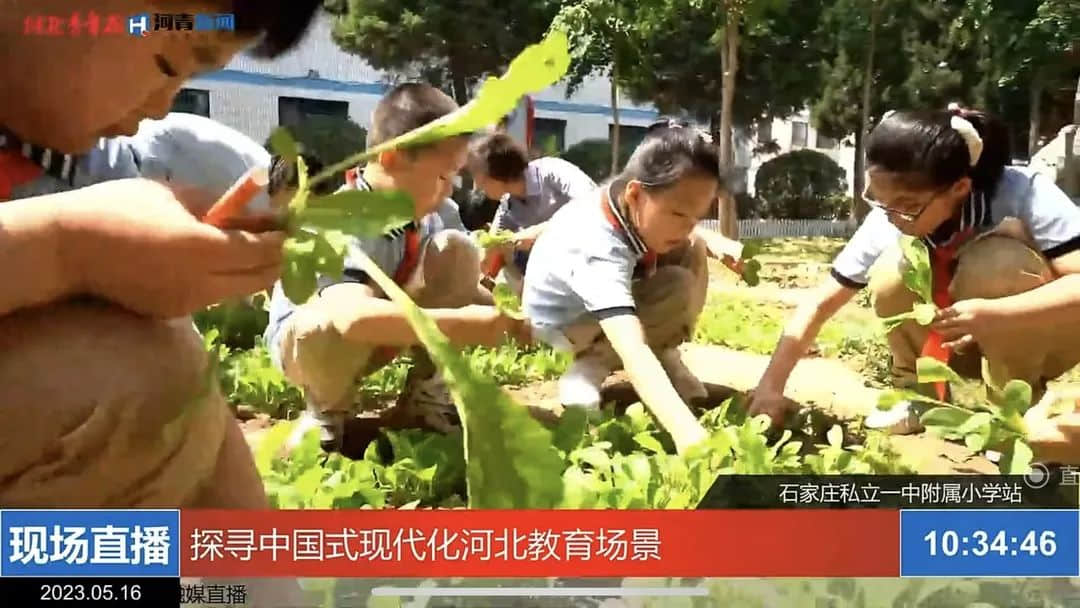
column 990, row 542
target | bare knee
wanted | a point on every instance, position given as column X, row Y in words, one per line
column 998, row 266
column 88, row 383
column 451, row 251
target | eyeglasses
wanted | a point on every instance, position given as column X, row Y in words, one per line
column 904, row 215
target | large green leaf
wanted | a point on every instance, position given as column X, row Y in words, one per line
column 1017, row 459
column 537, row 67
column 950, row 418
column 1016, row 398
column 364, row 213
column 283, row 144
column 890, row 399
column 916, row 274
column 931, row 370
column 511, row 459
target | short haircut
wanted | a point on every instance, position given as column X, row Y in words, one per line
column 283, row 173
column 281, row 24
column 498, row 156
column 406, row 107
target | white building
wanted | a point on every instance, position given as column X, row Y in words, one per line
column 255, row 96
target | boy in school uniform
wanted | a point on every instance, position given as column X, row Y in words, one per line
column 529, row 194
column 349, row 329
column 99, row 280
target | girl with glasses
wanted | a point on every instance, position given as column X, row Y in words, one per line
column 1003, row 245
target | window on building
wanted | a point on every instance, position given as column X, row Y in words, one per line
column 294, row 110
column 824, row 142
column 629, row 135
column 798, row 134
column 192, row 101
column 764, row 130
column 549, row 136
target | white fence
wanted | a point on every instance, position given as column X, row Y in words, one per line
column 767, row 229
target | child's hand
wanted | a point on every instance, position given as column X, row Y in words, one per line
column 771, row 403
column 1053, row 438
column 734, row 265
column 135, row 243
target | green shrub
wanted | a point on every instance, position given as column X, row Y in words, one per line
column 803, row 184
column 593, row 156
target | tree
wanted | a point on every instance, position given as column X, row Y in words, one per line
column 593, row 156
column 916, row 71
column 739, row 15
column 681, row 77
column 450, row 44
column 781, row 64
column 600, row 41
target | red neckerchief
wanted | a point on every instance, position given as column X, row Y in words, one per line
column 408, row 265
column 647, row 264
column 15, row 170
column 941, row 266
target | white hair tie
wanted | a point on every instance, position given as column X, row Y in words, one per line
column 971, row 137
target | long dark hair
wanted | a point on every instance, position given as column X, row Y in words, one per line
column 925, row 145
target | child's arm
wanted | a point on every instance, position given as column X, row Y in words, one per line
column 130, row 242
column 359, row 315
column 718, row 245
column 30, row 255
column 799, row 334
column 651, row 382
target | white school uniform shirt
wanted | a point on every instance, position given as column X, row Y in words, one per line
column 387, row 251
column 182, row 149
column 581, row 267
column 195, row 151
column 1050, row 217
column 550, row 183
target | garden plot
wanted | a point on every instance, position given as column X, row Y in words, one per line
column 393, row 465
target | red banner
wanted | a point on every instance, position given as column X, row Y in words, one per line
column 452, row 543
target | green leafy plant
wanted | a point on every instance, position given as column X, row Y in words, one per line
column 507, row 301
column 997, row 424
column 317, row 226
column 488, row 240
column 751, row 268
column 917, row 277
column 248, row 377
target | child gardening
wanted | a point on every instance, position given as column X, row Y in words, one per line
column 103, row 379
column 529, row 194
column 349, row 329
column 1003, row 247
column 615, row 278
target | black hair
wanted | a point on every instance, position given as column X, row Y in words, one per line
column 406, row 107
column 281, row 24
column 498, row 156
column 925, row 145
column 283, row 174
column 669, row 153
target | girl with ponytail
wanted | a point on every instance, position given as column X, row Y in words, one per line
column 1003, row 245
